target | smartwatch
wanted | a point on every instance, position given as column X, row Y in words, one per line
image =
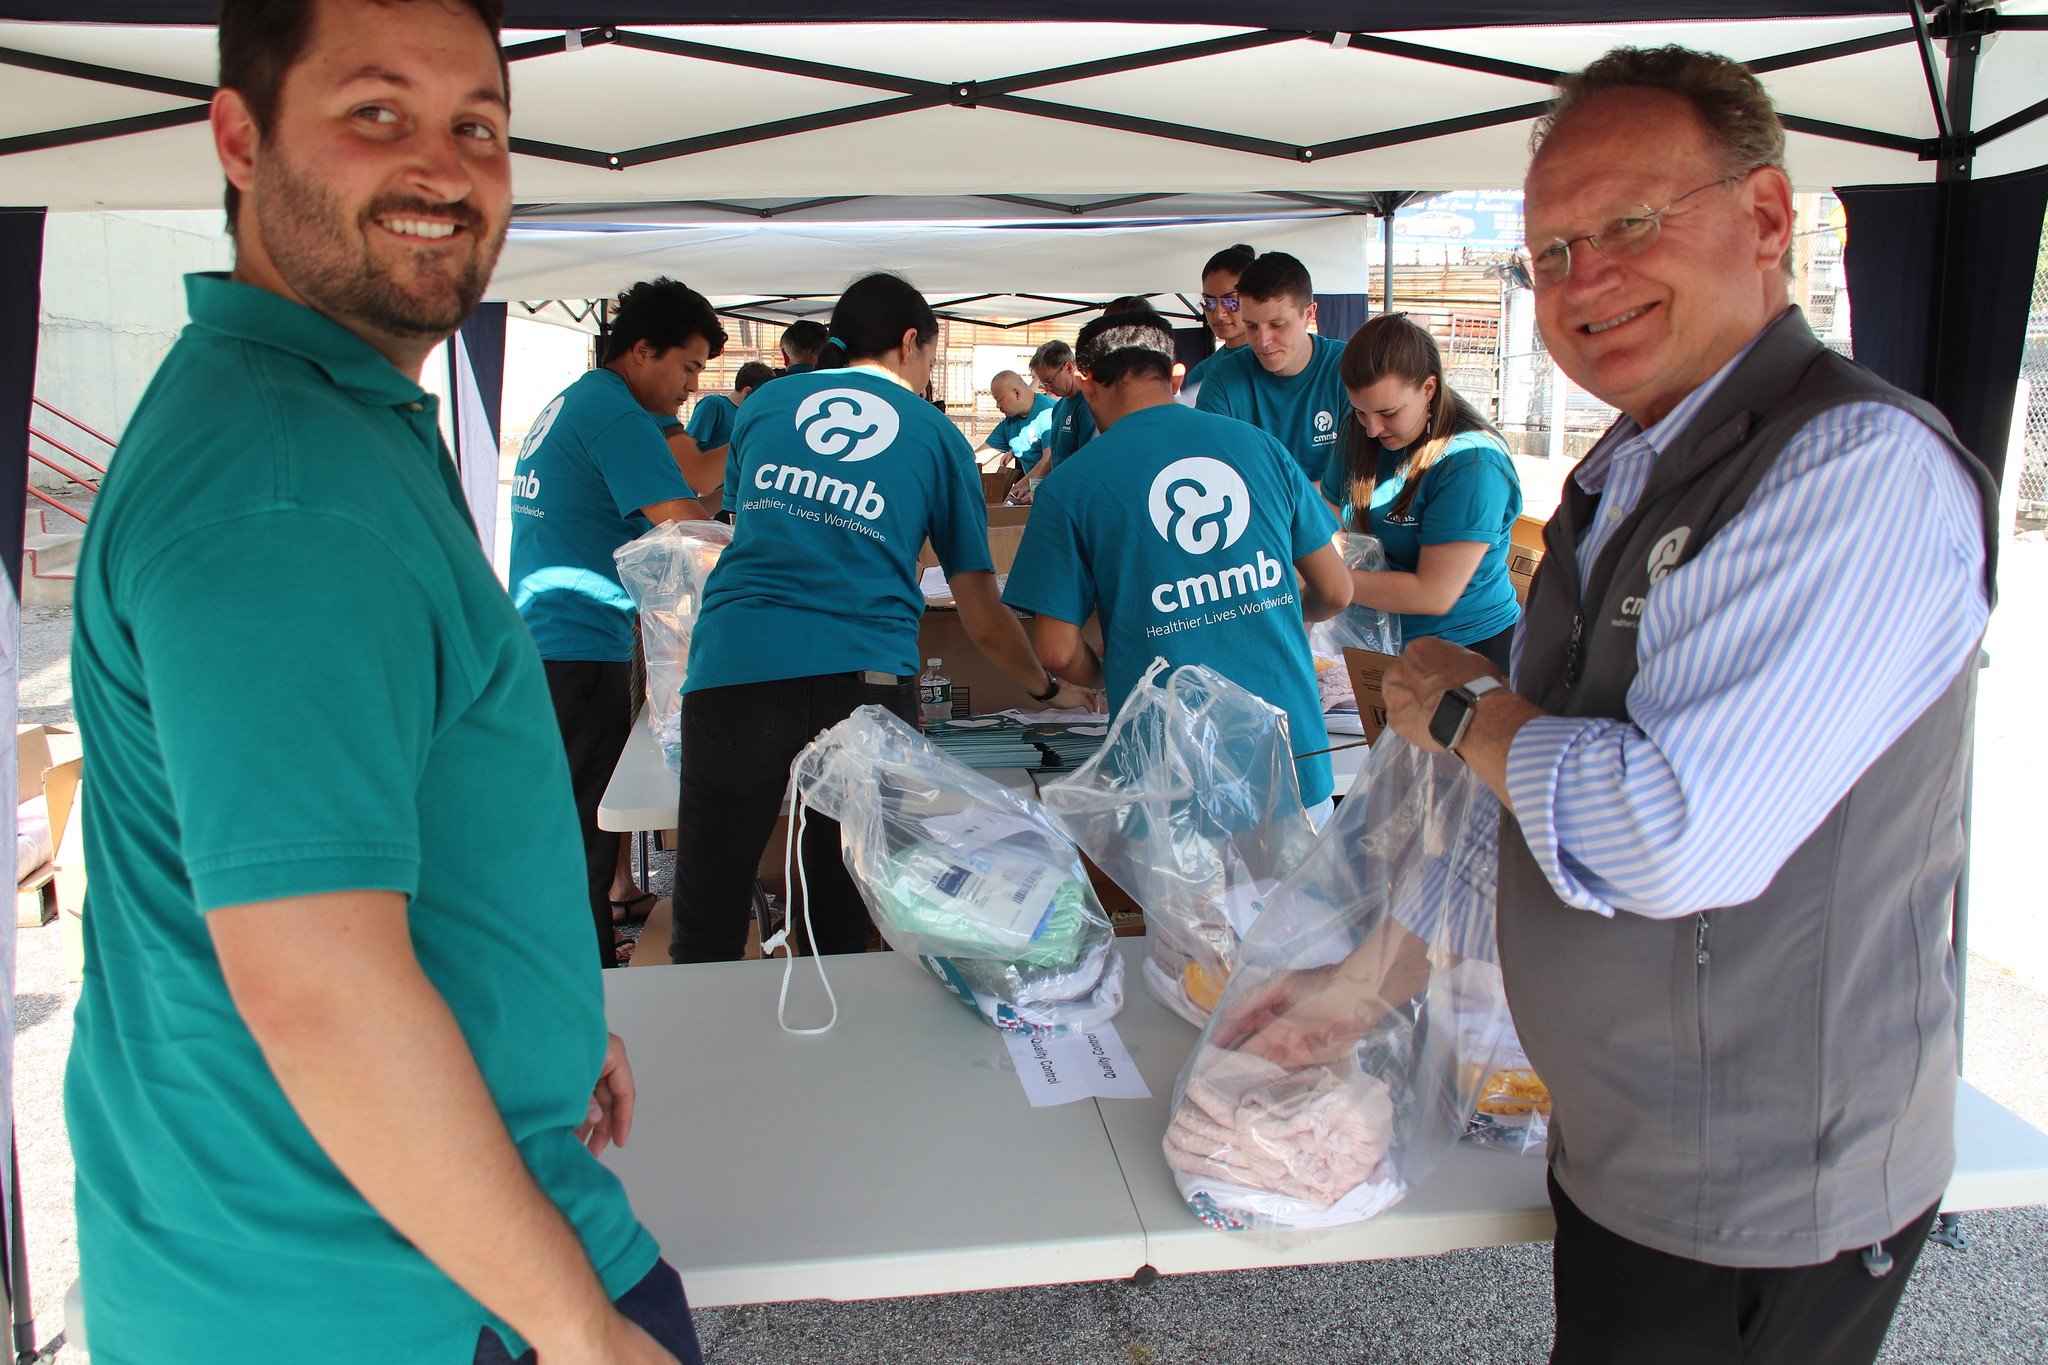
column 1454, row 711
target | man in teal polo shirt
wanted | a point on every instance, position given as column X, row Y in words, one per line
column 337, row 1044
column 1285, row 380
column 596, row 472
column 1184, row 531
column 1027, row 420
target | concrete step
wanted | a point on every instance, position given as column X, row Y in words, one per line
column 49, row 563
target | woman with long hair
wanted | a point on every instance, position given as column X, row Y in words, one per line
column 1424, row 472
column 836, row 477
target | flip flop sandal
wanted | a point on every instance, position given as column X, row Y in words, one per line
column 623, row 912
column 622, row 950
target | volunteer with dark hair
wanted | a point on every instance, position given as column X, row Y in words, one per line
column 595, row 473
column 699, row 446
column 1284, row 379
column 1184, row 531
column 1219, row 312
column 1423, row 471
column 1073, row 424
column 801, row 342
column 837, row 479
column 340, row 1045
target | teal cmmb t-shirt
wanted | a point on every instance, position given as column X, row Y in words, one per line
column 1305, row 412
column 1469, row 493
column 836, row 478
column 710, row 424
column 593, row 459
column 1025, row 437
column 1181, row 529
column 1073, row 426
column 296, row 673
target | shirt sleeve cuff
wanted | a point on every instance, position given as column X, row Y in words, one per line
column 1534, row 761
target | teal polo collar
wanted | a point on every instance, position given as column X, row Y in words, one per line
column 248, row 313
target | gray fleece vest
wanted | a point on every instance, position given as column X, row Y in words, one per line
column 1773, row 1083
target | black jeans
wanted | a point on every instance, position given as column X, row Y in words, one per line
column 738, row 744
column 594, row 706
column 1621, row 1302
column 657, row 1304
column 1496, row 648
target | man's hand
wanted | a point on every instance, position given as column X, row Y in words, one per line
column 1020, row 492
column 610, row 1119
column 1072, row 698
column 1300, row 1019
column 618, row 1341
column 1413, row 686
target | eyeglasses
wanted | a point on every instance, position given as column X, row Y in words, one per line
column 1224, row 302
column 1618, row 239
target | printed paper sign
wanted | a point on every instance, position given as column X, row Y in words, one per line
column 1059, row 1068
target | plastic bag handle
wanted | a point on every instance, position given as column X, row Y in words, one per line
column 792, row 853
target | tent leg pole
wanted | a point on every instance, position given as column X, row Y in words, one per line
column 17, row 1242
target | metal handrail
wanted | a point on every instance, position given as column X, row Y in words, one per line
column 103, row 439
column 87, row 484
column 50, row 440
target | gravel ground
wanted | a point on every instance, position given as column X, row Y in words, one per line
column 1989, row 1303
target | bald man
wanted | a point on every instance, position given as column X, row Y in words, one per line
column 1027, row 420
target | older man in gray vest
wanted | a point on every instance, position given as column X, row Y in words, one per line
column 1731, row 757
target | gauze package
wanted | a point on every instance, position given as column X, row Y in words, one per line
column 664, row 573
column 1345, row 1056
column 1355, row 627
column 1192, row 806
column 972, row 880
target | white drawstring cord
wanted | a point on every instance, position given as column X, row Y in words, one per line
column 792, row 854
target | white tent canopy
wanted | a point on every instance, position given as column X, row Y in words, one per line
column 819, row 111
column 957, row 265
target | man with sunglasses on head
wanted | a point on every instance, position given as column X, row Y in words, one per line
column 1733, row 813
column 1284, row 380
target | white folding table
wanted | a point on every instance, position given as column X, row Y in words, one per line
column 896, row 1155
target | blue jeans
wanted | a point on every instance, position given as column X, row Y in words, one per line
column 656, row 1303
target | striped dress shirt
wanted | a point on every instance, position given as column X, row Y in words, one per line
column 1772, row 669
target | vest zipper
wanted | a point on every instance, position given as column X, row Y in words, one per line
column 1574, row 651
column 1700, row 942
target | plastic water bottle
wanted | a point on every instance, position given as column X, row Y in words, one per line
column 935, row 693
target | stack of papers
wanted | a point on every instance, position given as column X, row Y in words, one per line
column 1001, row 742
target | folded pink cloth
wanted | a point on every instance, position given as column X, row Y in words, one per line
column 1315, row 1134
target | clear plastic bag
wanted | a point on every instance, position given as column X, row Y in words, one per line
column 664, row 573
column 1512, row 1113
column 1346, row 1054
column 1193, row 807
column 965, row 875
column 1355, row 627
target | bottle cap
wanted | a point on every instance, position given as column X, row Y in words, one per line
column 931, row 663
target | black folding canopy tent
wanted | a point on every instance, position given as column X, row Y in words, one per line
column 1931, row 125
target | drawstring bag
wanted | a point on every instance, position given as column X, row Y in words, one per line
column 1192, row 806
column 1366, row 1009
column 959, row 872
column 1355, row 627
column 664, row 572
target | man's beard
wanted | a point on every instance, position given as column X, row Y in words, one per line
column 305, row 233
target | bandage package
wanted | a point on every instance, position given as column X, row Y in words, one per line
column 663, row 572
column 1193, row 807
column 965, row 876
column 1347, row 1052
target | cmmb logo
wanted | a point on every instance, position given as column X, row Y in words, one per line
column 847, row 424
column 1200, row 504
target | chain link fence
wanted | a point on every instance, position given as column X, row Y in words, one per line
column 2033, row 490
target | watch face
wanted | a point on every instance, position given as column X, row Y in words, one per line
column 1450, row 714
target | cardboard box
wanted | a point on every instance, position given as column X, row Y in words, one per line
column 1522, row 564
column 1368, row 670
column 995, row 487
column 988, row 688
column 1003, row 539
column 32, row 758
column 1008, row 514
column 62, row 786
